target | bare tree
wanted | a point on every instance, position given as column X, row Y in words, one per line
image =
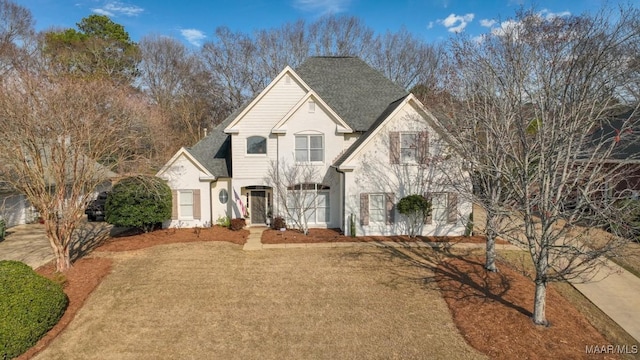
column 296, row 189
column 16, row 26
column 538, row 98
column 59, row 141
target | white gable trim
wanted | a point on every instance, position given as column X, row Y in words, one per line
column 426, row 114
column 287, row 71
column 341, row 126
column 185, row 153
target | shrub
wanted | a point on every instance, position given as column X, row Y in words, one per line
column 237, row 224
column 416, row 208
column 141, row 202
column 224, row 221
column 278, row 223
column 30, row 305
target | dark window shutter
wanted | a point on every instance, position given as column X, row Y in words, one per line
column 429, row 219
column 174, row 204
column 391, row 214
column 394, row 147
column 196, row 204
column 423, row 147
column 452, row 208
column 364, row 209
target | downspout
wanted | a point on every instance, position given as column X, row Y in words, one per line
column 344, row 200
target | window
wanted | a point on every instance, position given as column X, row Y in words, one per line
column 309, row 148
column 408, row 148
column 313, row 199
column 444, row 208
column 223, row 196
column 186, row 204
column 377, row 208
column 256, row 145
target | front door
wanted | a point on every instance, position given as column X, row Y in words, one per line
column 258, row 207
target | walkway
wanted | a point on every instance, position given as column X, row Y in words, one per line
column 26, row 243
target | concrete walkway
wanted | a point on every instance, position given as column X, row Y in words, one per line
column 614, row 290
column 617, row 293
column 26, row 243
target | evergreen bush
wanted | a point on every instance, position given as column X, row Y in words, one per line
column 30, row 305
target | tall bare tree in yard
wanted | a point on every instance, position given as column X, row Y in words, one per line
column 53, row 134
column 535, row 100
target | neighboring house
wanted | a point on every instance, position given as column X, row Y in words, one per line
column 369, row 141
column 15, row 209
column 622, row 131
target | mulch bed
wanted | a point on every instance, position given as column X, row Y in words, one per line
column 335, row 235
column 173, row 235
column 493, row 312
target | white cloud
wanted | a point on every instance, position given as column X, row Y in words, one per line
column 115, row 8
column 430, row 25
column 548, row 15
column 487, row 23
column 456, row 23
column 193, row 36
column 505, row 27
column 322, row 6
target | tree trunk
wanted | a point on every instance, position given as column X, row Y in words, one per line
column 490, row 264
column 63, row 259
column 540, row 303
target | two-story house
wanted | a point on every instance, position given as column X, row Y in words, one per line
column 368, row 142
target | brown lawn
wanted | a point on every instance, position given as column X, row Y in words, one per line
column 491, row 310
column 334, row 235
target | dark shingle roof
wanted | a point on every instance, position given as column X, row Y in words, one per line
column 390, row 108
column 214, row 151
column 354, row 90
column 623, row 129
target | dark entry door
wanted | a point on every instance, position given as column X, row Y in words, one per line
column 258, row 207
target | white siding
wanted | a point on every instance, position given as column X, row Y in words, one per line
column 13, row 209
column 374, row 173
column 316, row 123
column 183, row 174
column 218, row 209
column 259, row 120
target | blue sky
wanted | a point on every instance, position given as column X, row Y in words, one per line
column 194, row 21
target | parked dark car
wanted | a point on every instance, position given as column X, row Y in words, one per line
column 95, row 209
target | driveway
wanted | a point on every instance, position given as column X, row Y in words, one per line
column 212, row 300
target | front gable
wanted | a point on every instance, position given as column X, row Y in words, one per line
column 310, row 104
column 272, row 103
column 409, row 116
column 183, row 168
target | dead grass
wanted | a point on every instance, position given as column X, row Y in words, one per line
column 334, row 235
column 213, row 300
column 210, row 299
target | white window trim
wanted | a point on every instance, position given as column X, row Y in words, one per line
column 444, row 218
column 180, row 205
column 316, row 193
column 308, row 149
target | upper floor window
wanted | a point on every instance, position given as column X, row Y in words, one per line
column 408, row 148
column 309, row 148
column 256, row 145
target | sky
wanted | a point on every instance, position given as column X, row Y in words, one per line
column 194, row 21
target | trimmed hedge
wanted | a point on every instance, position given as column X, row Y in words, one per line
column 141, row 202
column 30, row 305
